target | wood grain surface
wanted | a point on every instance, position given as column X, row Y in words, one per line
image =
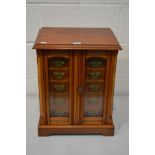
column 76, row 38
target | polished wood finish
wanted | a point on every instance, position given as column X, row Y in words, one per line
column 76, row 77
column 76, row 38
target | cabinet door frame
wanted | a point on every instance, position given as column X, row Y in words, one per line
column 57, row 54
column 94, row 120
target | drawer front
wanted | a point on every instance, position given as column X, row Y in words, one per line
column 95, row 62
column 93, row 106
column 59, row 87
column 94, row 87
column 59, row 106
column 58, row 62
column 92, row 74
column 58, row 75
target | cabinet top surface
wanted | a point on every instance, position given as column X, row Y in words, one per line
column 76, row 38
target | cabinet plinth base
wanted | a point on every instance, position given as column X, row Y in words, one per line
column 47, row 130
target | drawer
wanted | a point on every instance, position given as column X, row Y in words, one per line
column 59, row 113
column 93, row 100
column 93, row 106
column 58, row 62
column 94, row 75
column 93, row 114
column 59, row 100
column 58, row 75
column 59, row 87
column 97, row 87
column 59, row 106
column 96, row 62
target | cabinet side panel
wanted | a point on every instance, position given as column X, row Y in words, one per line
column 106, row 94
column 40, row 63
column 111, row 85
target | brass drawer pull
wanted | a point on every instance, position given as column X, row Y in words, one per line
column 58, row 63
column 95, row 63
column 95, row 75
column 59, row 75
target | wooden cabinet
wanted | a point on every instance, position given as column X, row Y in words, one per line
column 76, row 76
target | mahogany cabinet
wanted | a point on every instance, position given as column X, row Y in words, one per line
column 76, row 76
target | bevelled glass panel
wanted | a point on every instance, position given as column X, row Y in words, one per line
column 59, row 106
column 58, row 75
column 94, row 86
column 93, row 106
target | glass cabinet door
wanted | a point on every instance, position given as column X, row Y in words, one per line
column 94, row 73
column 59, row 88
